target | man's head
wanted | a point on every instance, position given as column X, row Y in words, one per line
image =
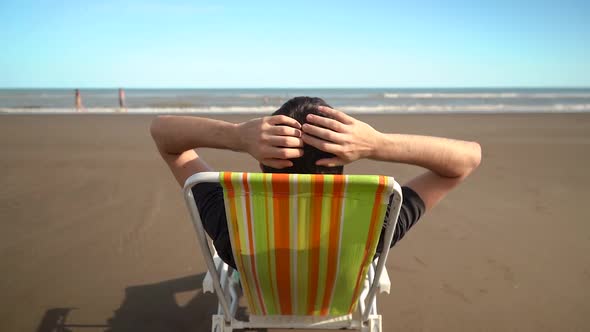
column 298, row 108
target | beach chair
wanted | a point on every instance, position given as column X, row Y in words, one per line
column 304, row 248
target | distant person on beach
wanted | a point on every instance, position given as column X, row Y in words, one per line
column 122, row 106
column 306, row 135
column 79, row 106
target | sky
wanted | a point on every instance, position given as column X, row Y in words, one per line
column 268, row 44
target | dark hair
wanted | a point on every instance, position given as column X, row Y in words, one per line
column 298, row 108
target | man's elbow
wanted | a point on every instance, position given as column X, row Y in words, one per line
column 474, row 157
column 156, row 127
column 159, row 129
column 471, row 159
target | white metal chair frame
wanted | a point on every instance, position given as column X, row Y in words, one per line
column 223, row 281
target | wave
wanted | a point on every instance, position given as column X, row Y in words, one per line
column 378, row 109
column 485, row 108
column 251, row 95
column 202, row 110
column 507, row 95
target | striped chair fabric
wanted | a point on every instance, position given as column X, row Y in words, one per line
column 303, row 243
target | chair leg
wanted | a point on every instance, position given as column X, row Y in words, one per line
column 218, row 324
column 373, row 324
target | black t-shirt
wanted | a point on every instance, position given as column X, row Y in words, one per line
column 209, row 199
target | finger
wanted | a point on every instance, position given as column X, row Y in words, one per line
column 321, row 144
column 326, row 122
column 340, row 116
column 285, row 153
column 276, row 163
column 330, row 162
column 284, row 131
column 284, row 120
column 285, row 141
column 325, row 134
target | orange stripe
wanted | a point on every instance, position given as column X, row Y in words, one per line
column 232, row 208
column 333, row 242
column 251, row 241
column 376, row 204
column 280, row 184
column 317, row 187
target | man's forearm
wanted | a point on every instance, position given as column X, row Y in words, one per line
column 446, row 157
column 176, row 134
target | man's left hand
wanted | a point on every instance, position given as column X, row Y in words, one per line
column 272, row 140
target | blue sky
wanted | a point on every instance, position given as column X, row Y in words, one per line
column 223, row 44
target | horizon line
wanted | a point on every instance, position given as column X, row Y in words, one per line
column 296, row 87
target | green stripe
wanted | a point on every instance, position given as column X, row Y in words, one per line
column 267, row 179
column 380, row 215
column 261, row 246
column 324, row 239
column 357, row 214
column 304, row 204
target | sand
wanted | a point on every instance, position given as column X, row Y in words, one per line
column 94, row 233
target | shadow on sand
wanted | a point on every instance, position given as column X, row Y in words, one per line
column 149, row 308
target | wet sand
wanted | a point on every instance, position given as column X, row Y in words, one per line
column 94, row 233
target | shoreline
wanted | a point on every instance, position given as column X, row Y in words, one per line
column 161, row 111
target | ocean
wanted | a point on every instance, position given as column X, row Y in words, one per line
column 265, row 101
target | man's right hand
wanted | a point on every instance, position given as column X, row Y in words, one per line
column 272, row 140
column 340, row 134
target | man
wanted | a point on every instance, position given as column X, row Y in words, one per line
column 306, row 135
column 78, row 100
column 122, row 106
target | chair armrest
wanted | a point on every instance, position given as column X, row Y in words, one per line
column 384, row 282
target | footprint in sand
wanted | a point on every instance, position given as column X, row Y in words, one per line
column 456, row 293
